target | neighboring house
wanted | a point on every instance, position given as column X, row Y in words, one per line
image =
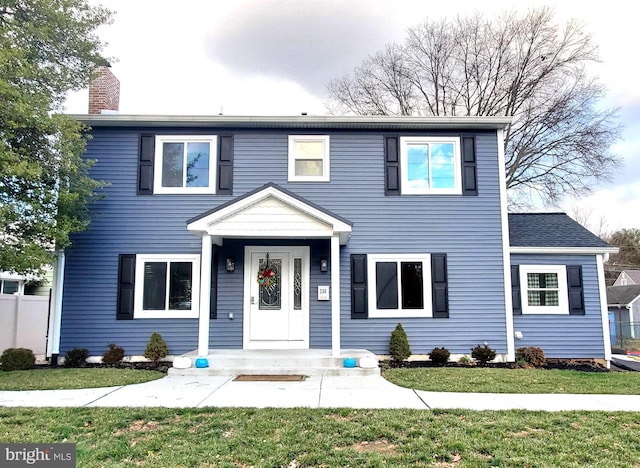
column 323, row 233
column 627, row 277
column 11, row 283
column 624, row 313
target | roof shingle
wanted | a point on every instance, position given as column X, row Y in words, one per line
column 550, row 230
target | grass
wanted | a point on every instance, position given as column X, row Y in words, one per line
column 324, row 437
column 492, row 380
column 57, row 379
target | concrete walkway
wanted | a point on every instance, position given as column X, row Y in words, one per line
column 314, row 392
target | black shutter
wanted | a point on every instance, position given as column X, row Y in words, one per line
column 126, row 285
column 145, row 164
column 515, row 290
column 225, row 165
column 213, row 299
column 359, row 286
column 391, row 166
column 469, row 169
column 576, row 296
column 440, row 296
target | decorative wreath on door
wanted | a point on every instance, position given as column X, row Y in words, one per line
column 266, row 277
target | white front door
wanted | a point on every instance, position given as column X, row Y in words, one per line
column 276, row 302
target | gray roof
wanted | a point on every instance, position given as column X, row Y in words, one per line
column 367, row 122
column 550, row 230
column 622, row 295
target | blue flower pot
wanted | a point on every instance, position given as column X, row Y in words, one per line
column 202, row 362
column 349, row 362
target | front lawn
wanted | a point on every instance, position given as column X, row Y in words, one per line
column 324, row 437
column 58, row 379
column 500, row 380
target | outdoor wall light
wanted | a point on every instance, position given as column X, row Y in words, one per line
column 324, row 265
column 231, row 264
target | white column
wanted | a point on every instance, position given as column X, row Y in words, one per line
column 205, row 295
column 335, row 295
column 602, row 290
column 55, row 311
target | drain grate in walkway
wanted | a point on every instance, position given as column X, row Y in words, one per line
column 269, row 378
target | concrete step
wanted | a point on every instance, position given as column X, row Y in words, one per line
column 284, row 362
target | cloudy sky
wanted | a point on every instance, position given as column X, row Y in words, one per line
column 275, row 57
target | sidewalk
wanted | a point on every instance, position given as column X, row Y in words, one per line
column 314, row 392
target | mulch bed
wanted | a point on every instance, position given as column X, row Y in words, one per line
column 584, row 365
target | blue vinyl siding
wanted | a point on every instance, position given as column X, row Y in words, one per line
column 565, row 336
column 467, row 229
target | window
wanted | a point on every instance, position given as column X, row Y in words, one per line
column 544, row 289
column 430, row 165
column 308, row 158
column 167, row 286
column 399, row 285
column 185, row 164
column 9, row 287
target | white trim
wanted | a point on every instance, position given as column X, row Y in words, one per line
column 141, row 259
column 20, row 282
column 55, row 310
column 205, row 297
column 404, row 171
column 248, row 281
column 335, row 296
column 209, row 223
column 563, row 250
column 157, row 176
column 374, row 312
column 563, row 293
column 325, row 158
column 602, row 290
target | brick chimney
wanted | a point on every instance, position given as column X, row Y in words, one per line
column 104, row 92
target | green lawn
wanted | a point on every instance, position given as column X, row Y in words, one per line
column 491, row 380
column 55, row 379
column 325, row 437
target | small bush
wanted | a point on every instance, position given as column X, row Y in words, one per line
column 156, row 348
column 76, row 357
column 114, row 355
column 17, row 359
column 466, row 360
column 531, row 355
column 399, row 348
column 439, row 356
column 483, row 354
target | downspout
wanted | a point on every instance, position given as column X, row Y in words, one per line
column 55, row 309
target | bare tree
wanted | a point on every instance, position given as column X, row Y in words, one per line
column 526, row 67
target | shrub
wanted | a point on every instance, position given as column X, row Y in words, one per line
column 17, row 359
column 114, row 355
column 439, row 356
column 466, row 360
column 531, row 355
column 399, row 348
column 76, row 357
column 483, row 354
column 156, row 348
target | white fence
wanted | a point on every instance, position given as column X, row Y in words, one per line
column 23, row 322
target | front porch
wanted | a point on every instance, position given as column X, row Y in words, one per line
column 306, row 362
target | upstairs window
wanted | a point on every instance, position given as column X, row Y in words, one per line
column 544, row 289
column 10, row 287
column 308, row 158
column 430, row 165
column 185, row 164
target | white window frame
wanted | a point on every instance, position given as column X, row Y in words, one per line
column 141, row 259
column 563, row 293
column 326, row 170
column 404, row 170
column 374, row 312
column 20, row 290
column 213, row 162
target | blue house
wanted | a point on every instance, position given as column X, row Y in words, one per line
column 322, row 233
